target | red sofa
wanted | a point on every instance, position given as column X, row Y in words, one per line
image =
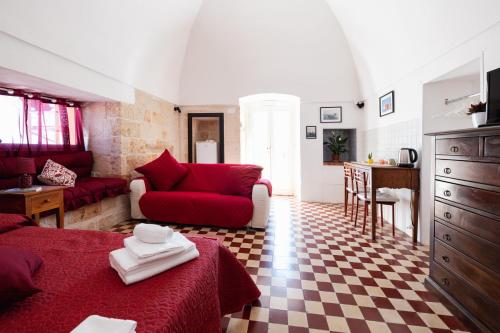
column 87, row 189
column 225, row 195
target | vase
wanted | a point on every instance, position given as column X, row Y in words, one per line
column 478, row 119
column 335, row 158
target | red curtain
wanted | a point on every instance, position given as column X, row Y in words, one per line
column 44, row 127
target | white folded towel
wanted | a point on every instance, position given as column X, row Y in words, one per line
column 98, row 324
column 152, row 233
column 143, row 250
column 121, row 259
column 128, row 261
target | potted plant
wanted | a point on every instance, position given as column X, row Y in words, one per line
column 337, row 145
column 370, row 158
column 478, row 112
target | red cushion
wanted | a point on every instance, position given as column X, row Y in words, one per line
column 76, row 197
column 228, row 179
column 79, row 162
column 16, row 270
column 114, row 186
column 8, row 183
column 197, row 208
column 93, row 186
column 13, row 221
column 103, row 187
column 164, row 172
column 15, row 166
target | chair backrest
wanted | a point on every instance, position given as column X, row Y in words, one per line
column 348, row 180
column 361, row 180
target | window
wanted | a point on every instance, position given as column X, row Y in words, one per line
column 10, row 122
column 26, row 122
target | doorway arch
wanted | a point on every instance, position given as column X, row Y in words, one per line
column 270, row 138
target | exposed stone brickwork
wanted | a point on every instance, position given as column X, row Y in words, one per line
column 98, row 216
column 122, row 137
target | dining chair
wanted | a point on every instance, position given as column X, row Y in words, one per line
column 349, row 188
column 363, row 194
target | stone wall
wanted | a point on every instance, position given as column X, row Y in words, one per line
column 231, row 129
column 122, row 137
column 97, row 216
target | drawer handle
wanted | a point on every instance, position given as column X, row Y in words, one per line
column 447, row 237
column 447, row 215
column 447, row 193
column 447, row 171
column 454, row 149
column 46, row 201
column 446, row 259
column 445, row 281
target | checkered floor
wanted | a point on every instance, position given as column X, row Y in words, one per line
column 317, row 273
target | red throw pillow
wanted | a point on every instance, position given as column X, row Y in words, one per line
column 16, row 271
column 164, row 172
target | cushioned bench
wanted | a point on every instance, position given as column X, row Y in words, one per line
column 87, row 189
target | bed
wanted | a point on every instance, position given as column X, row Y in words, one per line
column 77, row 281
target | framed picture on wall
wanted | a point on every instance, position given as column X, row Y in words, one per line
column 386, row 104
column 330, row 114
column 310, row 132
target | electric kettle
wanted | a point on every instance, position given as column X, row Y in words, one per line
column 407, row 156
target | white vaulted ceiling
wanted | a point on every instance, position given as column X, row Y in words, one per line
column 213, row 51
column 139, row 43
column 239, row 47
column 391, row 38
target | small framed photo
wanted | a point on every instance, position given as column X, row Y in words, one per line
column 330, row 114
column 310, row 132
column 386, row 104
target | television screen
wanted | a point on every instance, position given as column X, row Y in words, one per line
column 493, row 109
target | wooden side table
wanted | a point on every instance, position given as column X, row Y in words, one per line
column 33, row 203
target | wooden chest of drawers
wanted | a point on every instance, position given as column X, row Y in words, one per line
column 465, row 226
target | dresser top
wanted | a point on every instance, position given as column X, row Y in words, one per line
column 481, row 130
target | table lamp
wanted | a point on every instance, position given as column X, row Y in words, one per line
column 26, row 168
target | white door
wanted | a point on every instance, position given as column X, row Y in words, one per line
column 268, row 129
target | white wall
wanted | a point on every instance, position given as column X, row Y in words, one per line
column 393, row 39
column 410, row 109
column 324, row 183
column 437, row 116
column 239, row 48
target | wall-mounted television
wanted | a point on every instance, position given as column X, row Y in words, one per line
column 493, row 103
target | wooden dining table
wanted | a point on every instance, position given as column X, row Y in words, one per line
column 387, row 176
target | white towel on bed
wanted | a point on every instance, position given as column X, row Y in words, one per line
column 98, row 324
column 121, row 259
column 152, row 233
column 140, row 249
column 128, row 261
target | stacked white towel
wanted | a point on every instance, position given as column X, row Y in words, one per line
column 139, row 260
column 98, row 324
column 152, row 233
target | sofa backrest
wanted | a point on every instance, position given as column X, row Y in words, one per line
column 228, row 179
column 79, row 162
column 10, row 171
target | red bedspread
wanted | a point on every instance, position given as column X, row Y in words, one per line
column 77, row 281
